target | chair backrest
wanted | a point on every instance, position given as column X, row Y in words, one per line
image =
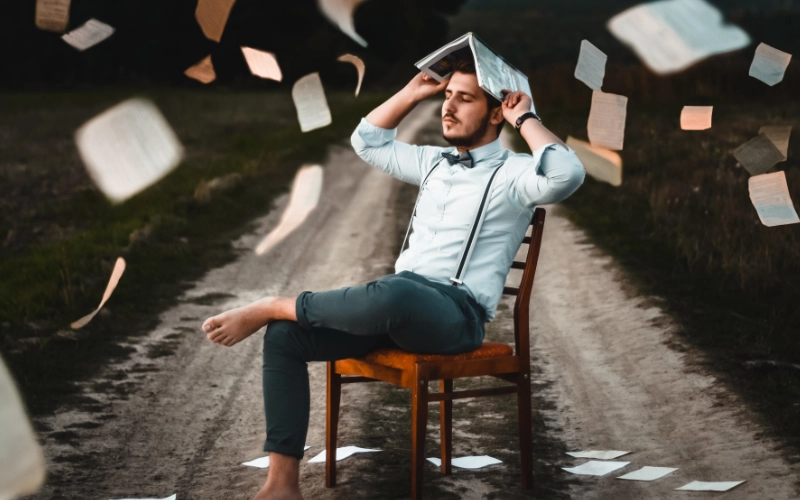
column 523, row 293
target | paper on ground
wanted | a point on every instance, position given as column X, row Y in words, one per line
column 599, row 455
column 22, row 465
column 758, row 155
column 262, row 64
column 88, row 35
column 595, row 468
column 212, row 16
column 203, row 71
column 340, row 13
column 263, row 462
column 341, row 453
column 360, row 67
column 648, row 473
column 696, row 117
column 468, row 462
column 127, row 148
column 591, row 68
column 779, row 136
column 770, row 196
column 670, row 35
column 173, row 497
column 52, row 15
column 116, row 274
column 769, row 64
column 709, row 486
column 310, row 102
column 306, row 189
column 606, row 125
column 602, row 164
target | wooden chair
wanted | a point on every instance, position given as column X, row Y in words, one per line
column 415, row 371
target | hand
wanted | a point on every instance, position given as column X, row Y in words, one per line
column 423, row 86
column 515, row 105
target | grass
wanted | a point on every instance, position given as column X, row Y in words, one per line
column 167, row 234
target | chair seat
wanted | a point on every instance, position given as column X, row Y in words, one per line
column 404, row 360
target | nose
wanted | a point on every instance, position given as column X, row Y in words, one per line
column 448, row 107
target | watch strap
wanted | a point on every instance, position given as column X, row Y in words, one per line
column 522, row 118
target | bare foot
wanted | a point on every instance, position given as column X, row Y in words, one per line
column 231, row 327
column 289, row 494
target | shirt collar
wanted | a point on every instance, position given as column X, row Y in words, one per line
column 484, row 152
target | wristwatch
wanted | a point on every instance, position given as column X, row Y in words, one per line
column 522, row 118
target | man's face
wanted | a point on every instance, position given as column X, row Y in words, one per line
column 465, row 112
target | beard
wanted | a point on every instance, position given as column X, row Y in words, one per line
column 470, row 139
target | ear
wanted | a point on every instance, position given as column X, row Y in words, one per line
column 496, row 116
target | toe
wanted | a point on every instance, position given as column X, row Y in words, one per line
column 215, row 334
column 210, row 325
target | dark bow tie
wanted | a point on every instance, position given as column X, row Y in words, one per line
column 464, row 159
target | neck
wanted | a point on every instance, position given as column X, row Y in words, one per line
column 482, row 142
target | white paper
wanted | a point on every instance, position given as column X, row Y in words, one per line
column 770, row 196
column 601, row 163
column 52, row 15
column 758, row 155
column 779, row 136
column 263, row 462
column 468, row 462
column 203, row 71
column 648, row 473
column 709, row 486
column 262, row 64
column 591, row 68
column 360, row 67
column 769, row 64
column 310, row 102
column 127, row 148
column 212, row 16
column 88, row 35
column 670, row 35
column 116, row 274
column 598, row 455
column 173, row 497
column 595, row 468
column 340, row 13
column 696, row 117
column 606, row 125
column 22, row 465
column 341, row 454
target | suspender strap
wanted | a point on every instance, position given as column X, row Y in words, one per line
column 419, row 195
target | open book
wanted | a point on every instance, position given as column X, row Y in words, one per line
column 493, row 72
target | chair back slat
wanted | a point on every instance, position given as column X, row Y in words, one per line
column 517, row 265
column 510, row 290
column 522, row 304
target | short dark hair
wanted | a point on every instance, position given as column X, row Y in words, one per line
column 466, row 64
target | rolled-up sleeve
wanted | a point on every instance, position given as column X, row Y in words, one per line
column 549, row 175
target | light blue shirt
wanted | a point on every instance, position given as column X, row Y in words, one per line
column 450, row 199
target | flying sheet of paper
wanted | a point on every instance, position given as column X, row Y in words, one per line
column 598, row 454
column 595, row 468
column 607, row 120
column 262, row 64
column 212, row 16
column 602, row 164
column 310, row 102
column 203, row 71
column 172, row 497
column 340, row 13
column 709, row 486
column 696, row 117
column 22, row 465
column 127, row 148
column 341, row 454
column 758, row 155
column 468, row 462
column 52, row 15
column 769, row 64
column 306, row 189
column 779, row 135
column 116, row 274
column 648, row 473
column 88, row 35
column 360, row 67
column 591, row 68
column 670, row 35
column 770, row 196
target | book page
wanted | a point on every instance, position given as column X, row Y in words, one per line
column 591, row 68
column 203, row 71
column 602, row 164
column 52, row 15
column 212, row 16
column 438, row 64
column 494, row 73
column 696, row 117
column 90, row 34
column 262, row 64
column 758, row 155
column 607, row 120
column 779, row 135
column 360, row 67
column 769, row 64
column 127, row 148
column 310, row 102
column 770, row 196
column 340, row 13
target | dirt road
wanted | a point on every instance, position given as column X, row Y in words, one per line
column 182, row 414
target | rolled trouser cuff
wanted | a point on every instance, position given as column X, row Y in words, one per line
column 300, row 311
column 284, row 449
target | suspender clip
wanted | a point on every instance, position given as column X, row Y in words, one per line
column 456, row 282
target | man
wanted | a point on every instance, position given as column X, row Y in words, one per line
column 418, row 309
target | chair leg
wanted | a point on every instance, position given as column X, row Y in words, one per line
column 419, row 423
column 332, row 423
column 446, row 425
column 525, row 433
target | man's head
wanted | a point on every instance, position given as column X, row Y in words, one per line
column 470, row 115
